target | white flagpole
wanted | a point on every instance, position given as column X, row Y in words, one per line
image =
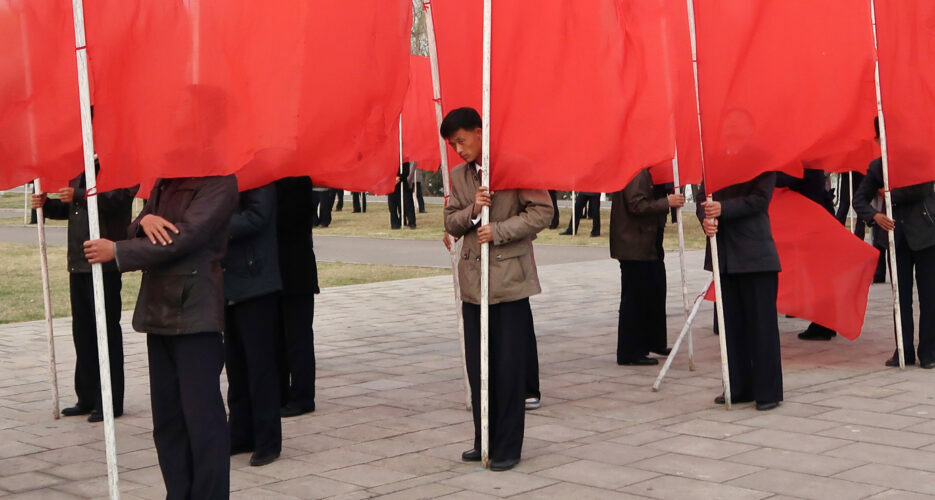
column 574, row 214
column 40, row 225
column 402, row 199
column 686, row 331
column 87, row 134
column 26, row 210
column 686, row 302
column 887, row 196
column 485, row 250
column 850, row 209
column 446, row 185
column 715, row 261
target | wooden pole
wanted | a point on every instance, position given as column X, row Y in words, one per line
column 888, row 197
column 686, row 331
column 485, row 249
column 712, row 241
column 446, row 185
column 87, row 134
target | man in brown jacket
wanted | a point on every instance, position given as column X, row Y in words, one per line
column 516, row 215
column 637, row 221
column 178, row 241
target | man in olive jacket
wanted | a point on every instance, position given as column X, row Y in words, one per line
column 637, row 220
column 516, row 215
column 178, row 241
column 114, row 208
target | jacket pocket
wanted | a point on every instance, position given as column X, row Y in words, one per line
column 163, row 297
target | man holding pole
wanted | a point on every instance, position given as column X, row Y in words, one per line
column 749, row 268
column 114, row 209
column 178, row 241
column 913, row 226
column 516, row 216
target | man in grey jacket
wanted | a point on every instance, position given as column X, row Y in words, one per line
column 178, row 241
column 516, row 216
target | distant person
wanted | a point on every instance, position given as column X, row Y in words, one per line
column 402, row 209
column 554, row 196
column 418, row 175
column 322, row 201
column 845, row 204
column 360, row 202
column 114, row 212
column 339, row 199
column 586, row 205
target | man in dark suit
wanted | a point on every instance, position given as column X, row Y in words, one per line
column 749, row 261
column 913, row 227
column 251, row 288
column 178, row 241
column 114, row 214
column 586, row 205
column 299, row 273
column 637, row 219
column 403, row 211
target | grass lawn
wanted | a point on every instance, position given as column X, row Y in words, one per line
column 21, row 288
column 376, row 224
column 11, row 200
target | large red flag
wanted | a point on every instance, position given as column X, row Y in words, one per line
column 906, row 31
column 782, row 83
column 578, row 97
column 826, row 270
column 265, row 89
column 40, row 126
column 420, row 127
column 681, row 78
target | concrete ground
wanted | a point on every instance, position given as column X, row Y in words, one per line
column 391, row 418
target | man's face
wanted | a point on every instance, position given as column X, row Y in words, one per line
column 468, row 144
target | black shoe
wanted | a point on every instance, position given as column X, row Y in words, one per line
column 412, row 226
column 98, row 416
column 422, row 211
column 809, row 335
column 395, row 227
column 894, row 361
column 291, row 410
column 74, row 411
column 565, row 233
column 664, row 352
column 642, row 361
column 554, row 227
column 770, row 405
column 503, row 465
column 239, row 449
column 928, row 365
column 598, row 235
column 720, row 400
column 265, row 459
column 879, row 280
column 472, row 455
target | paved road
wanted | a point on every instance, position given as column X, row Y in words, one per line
column 359, row 250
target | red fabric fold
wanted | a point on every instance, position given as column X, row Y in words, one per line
column 420, row 127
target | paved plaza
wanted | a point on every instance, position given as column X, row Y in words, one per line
column 391, row 417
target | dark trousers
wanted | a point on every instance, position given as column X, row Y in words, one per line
column 419, row 198
column 587, row 206
column 509, row 327
column 922, row 262
column 189, row 422
column 641, row 325
column 554, row 196
column 339, row 200
column 752, row 336
column 408, row 214
column 360, row 202
column 532, row 363
column 84, row 333
column 881, row 242
column 844, row 205
column 252, row 374
column 322, row 201
column 297, row 354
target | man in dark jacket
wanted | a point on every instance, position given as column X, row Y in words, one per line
column 178, row 241
column 749, row 268
column 636, row 221
column 299, row 274
column 114, row 214
column 913, row 226
column 403, row 211
column 251, row 288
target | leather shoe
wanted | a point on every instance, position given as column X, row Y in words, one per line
column 265, row 459
column 565, row 233
column 472, row 455
column 894, row 360
column 503, row 465
column 720, row 400
column 641, row 361
column 291, row 410
column 769, row 405
column 98, row 416
column 807, row 335
column 664, row 352
column 238, row 449
column 74, row 411
column 928, row 365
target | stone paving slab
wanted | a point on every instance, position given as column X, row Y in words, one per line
column 391, row 422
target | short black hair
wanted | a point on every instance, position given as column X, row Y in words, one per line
column 460, row 119
column 876, row 125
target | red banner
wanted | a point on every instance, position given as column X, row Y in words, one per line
column 906, row 30
column 264, row 89
column 40, row 125
column 420, row 127
column 578, row 94
column 782, row 84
